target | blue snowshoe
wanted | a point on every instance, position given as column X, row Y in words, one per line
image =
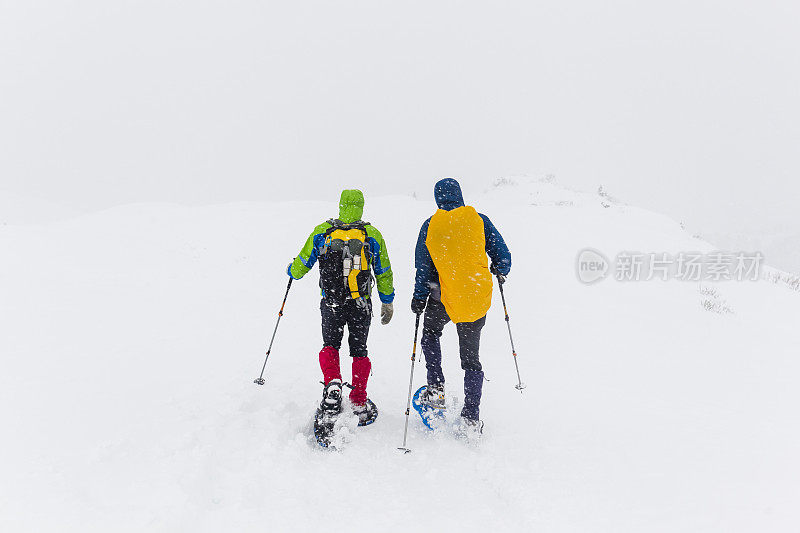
column 429, row 402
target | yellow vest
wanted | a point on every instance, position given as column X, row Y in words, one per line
column 457, row 244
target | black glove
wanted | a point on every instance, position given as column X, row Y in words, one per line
column 500, row 278
column 418, row 306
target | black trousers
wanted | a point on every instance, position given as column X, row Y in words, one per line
column 469, row 341
column 338, row 313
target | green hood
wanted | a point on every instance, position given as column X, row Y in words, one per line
column 351, row 205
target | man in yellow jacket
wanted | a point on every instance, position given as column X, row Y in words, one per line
column 454, row 282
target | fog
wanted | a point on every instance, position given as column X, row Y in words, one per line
column 687, row 107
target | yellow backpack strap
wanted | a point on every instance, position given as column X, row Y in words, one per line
column 352, row 283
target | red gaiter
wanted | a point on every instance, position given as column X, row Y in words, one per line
column 329, row 363
column 361, row 368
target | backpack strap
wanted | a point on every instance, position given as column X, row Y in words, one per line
column 338, row 224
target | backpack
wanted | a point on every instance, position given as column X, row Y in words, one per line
column 345, row 260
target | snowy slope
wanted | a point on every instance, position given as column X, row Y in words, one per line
column 23, row 209
column 131, row 337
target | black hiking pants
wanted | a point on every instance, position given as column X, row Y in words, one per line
column 469, row 343
column 338, row 313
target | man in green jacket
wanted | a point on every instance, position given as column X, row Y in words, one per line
column 347, row 248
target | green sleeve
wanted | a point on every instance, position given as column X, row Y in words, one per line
column 381, row 265
column 308, row 255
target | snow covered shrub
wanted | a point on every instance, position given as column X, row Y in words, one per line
column 784, row 278
column 713, row 303
column 504, row 182
column 607, row 199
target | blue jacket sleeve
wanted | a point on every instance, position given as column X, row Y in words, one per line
column 496, row 247
column 426, row 270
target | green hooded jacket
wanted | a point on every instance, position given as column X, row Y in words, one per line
column 351, row 209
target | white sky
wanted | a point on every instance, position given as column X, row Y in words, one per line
column 687, row 107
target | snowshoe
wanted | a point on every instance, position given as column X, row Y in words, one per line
column 328, row 412
column 430, row 405
column 469, row 429
column 366, row 413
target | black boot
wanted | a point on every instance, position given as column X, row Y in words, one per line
column 366, row 413
column 469, row 428
column 433, row 396
column 332, row 397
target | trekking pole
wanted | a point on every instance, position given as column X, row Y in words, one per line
column 410, row 386
column 520, row 385
column 260, row 379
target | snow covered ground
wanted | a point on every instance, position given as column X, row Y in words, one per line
column 130, row 339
